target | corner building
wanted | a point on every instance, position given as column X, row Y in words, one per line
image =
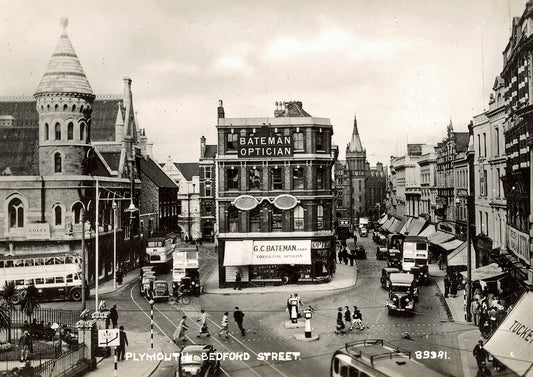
column 274, row 197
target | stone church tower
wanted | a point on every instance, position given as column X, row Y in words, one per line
column 356, row 170
column 64, row 101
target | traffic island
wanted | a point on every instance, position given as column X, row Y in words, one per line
column 303, row 338
column 291, row 325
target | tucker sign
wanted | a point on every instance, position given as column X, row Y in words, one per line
column 263, row 144
column 281, row 252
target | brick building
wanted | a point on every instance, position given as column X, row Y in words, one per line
column 274, row 197
column 55, row 150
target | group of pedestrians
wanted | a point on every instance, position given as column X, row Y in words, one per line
column 348, row 318
column 450, row 285
column 180, row 334
column 488, row 311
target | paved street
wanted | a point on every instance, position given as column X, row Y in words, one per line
column 265, row 316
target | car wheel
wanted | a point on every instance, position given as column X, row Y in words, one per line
column 75, row 294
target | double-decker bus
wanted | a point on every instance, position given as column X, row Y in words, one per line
column 159, row 252
column 376, row 358
column 415, row 257
column 55, row 277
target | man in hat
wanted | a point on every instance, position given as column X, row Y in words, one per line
column 480, row 354
column 113, row 314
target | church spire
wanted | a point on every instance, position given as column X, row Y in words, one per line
column 355, row 143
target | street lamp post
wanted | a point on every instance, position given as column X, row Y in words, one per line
column 468, row 287
column 115, row 206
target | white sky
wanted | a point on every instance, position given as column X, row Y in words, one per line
column 403, row 67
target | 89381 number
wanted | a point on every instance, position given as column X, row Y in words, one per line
column 442, row 355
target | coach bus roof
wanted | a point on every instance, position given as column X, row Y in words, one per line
column 401, row 278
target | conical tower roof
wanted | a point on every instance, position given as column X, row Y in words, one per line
column 355, row 144
column 64, row 73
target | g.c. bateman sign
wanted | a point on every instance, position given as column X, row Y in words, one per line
column 263, row 144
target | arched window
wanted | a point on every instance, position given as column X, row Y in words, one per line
column 298, row 218
column 56, row 108
column 233, row 220
column 58, row 131
column 255, row 219
column 76, row 211
column 73, row 108
column 70, row 131
column 65, row 107
column 58, row 215
column 82, row 131
column 46, row 131
column 57, row 163
column 319, row 217
column 16, row 213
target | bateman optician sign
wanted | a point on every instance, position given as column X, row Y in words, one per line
column 281, row 252
column 263, row 144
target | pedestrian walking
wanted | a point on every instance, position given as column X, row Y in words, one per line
column 480, row 354
column 299, row 305
column 224, row 326
column 352, row 257
column 179, row 333
column 238, row 316
column 58, row 344
column 359, row 319
column 453, row 286
column 203, row 324
column 339, row 324
column 238, row 279
column 347, row 317
column 446, row 285
column 120, row 275
column 25, row 345
column 123, row 343
column 113, row 315
column 474, row 309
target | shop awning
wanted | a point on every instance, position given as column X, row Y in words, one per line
column 395, row 228
column 415, row 226
column 439, row 237
column 458, row 256
column 451, row 245
column 486, row 272
column 383, row 219
column 428, row 231
column 405, row 226
column 238, row 253
column 512, row 342
column 387, row 224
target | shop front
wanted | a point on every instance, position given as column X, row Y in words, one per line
column 274, row 262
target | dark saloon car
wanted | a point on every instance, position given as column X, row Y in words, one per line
column 198, row 360
column 360, row 252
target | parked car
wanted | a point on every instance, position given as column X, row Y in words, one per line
column 385, row 273
column 198, row 360
column 381, row 253
column 360, row 252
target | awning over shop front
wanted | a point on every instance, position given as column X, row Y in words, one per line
column 383, row 219
column 415, row 226
column 439, row 237
column 395, row 228
column 405, row 226
column 388, row 223
column 238, row 253
column 458, row 256
column 428, row 231
column 451, row 245
column 512, row 342
column 486, row 272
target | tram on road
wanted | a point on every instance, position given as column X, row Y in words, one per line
column 376, row 358
column 54, row 277
column 159, row 252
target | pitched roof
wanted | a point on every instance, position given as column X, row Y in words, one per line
column 64, row 73
column 154, row 172
column 112, row 159
column 461, row 141
column 19, row 150
column 293, row 109
column 188, row 169
column 103, row 118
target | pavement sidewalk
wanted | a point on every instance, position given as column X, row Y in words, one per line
column 344, row 277
column 455, row 306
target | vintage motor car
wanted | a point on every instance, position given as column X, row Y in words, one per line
column 381, row 253
column 394, row 258
column 159, row 291
column 401, row 293
column 421, row 274
column 198, row 360
column 360, row 252
column 144, row 284
column 385, row 273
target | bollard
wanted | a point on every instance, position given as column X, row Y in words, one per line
column 308, row 314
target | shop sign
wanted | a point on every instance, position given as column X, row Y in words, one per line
column 518, row 243
column 323, row 244
column 38, row 231
column 263, row 144
column 281, row 252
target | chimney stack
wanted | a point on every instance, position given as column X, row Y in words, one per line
column 202, row 147
column 278, row 111
column 221, row 114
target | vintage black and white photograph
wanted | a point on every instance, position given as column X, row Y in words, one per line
column 266, row 188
